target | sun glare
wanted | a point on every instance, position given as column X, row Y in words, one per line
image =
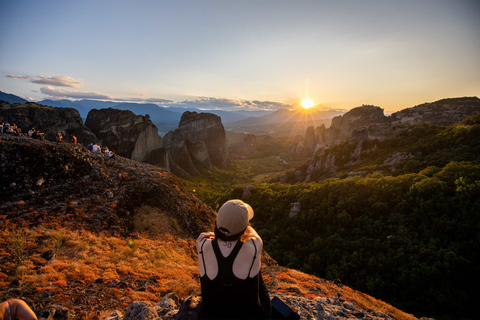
column 307, row 103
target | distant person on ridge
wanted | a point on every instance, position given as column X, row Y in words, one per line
column 73, row 139
column 37, row 135
column 16, row 309
column 96, row 148
column 229, row 264
column 59, row 138
column 90, row 147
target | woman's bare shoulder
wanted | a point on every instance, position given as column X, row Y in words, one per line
column 205, row 243
column 254, row 245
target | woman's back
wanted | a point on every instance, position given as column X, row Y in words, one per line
column 224, row 293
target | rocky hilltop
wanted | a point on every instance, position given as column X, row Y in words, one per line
column 364, row 127
column 57, row 178
column 445, row 112
column 84, row 236
column 198, row 144
column 48, row 120
column 132, row 136
column 369, row 122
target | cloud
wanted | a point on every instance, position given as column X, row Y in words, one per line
column 61, row 93
column 58, row 81
column 210, row 103
column 19, row 77
column 143, row 100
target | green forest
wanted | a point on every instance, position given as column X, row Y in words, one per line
column 410, row 237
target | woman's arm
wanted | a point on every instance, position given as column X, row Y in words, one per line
column 19, row 309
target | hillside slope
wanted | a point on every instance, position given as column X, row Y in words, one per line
column 83, row 235
column 395, row 218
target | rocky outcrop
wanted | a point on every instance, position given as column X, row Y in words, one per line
column 444, row 112
column 369, row 123
column 64, row 177
column 321, row 307
column 48, row 120
column 131, row 136
column 343, row 127
column 198, row 144
column 295, row 209
column 247, row 191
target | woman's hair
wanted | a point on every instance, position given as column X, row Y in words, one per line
column 220, row 235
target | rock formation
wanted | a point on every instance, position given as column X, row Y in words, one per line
column 247, row 191
column 444, row 112
column 131, row 136
column 199, row 143
column 48, row 120
column 295, row 209
column 343, row 127
column 369, row 123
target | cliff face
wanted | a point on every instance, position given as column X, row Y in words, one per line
column 48, row 120
column 207, row 128
column 343, row 127
column 198, row 143
column 360, row 123
column 444, row 112
column 131, row 136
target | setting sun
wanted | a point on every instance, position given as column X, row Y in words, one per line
column 307, row 103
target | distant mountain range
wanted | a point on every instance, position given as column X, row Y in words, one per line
column 167, row 118
column 294, row 116
column 10, row 98
column 158, row 114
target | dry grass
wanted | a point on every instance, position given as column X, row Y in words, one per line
column 165, row 264
column 117, row 271
column 154, row 221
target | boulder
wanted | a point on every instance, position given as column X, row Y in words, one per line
column 167, row 302
column 114, row 315
column 295, row 209
column 48, row 255
column 140, row 310
column 247, row 191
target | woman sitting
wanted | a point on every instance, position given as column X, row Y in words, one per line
column 229, row 265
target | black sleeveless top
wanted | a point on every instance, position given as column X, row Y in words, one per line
column 226, row 296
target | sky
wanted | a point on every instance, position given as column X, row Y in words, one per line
column 260, row 54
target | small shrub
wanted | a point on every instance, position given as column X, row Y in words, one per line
column 58, row 241
column 17, row 242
